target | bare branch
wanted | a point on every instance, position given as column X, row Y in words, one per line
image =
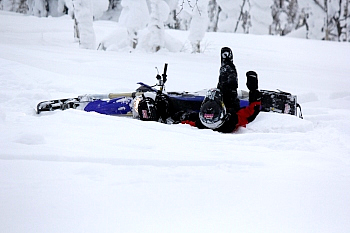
column 189, row 3
column 320, row 5
column 240, row 15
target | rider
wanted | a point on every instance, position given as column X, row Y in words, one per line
column 220, row 109
column 215, row 115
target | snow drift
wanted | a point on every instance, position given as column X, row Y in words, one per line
column 74, row 171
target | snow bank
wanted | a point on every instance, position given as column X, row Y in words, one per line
column 279, row 123
column 75, row 171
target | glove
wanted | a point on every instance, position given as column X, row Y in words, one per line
column 252, row 80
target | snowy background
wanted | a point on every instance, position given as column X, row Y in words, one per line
column 74, row 171
column 312, row 19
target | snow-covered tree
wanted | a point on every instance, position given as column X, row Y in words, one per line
column 199, row 24
column 83, row 18
column 244, row 17
column 347, row 21
column 99, row 7
column 303, row 20
column 14, row 5
column 172, row 21
column 154, row 38
column 38, row 7
column 113, row 4
column 213, row 14
column 228, row 15
column 66, row 7
column 285, row 16
column 134, row 16
column 113, row 11
column 159, row 14
column 314, row 19
column 336, row 22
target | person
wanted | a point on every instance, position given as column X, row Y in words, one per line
column 220, row 109
column 214, row 114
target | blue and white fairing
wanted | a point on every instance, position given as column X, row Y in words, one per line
column 117, row 106
column 127, row 106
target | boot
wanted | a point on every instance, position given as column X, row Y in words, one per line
column 252, row 84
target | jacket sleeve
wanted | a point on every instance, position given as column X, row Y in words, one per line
column 248, row 114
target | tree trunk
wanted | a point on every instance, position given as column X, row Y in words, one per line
column 83, row 27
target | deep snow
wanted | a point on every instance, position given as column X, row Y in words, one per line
column 75, row 171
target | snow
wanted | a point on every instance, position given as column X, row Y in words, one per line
column 75, row 171
column 134, row 15
column 99, row 7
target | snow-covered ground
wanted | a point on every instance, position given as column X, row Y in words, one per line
column 74, row 171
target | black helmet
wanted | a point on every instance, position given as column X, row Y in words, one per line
column 213, row 111
column 147, row 110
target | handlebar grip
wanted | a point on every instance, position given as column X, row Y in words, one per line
column 164, row 72
column 165, row 68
